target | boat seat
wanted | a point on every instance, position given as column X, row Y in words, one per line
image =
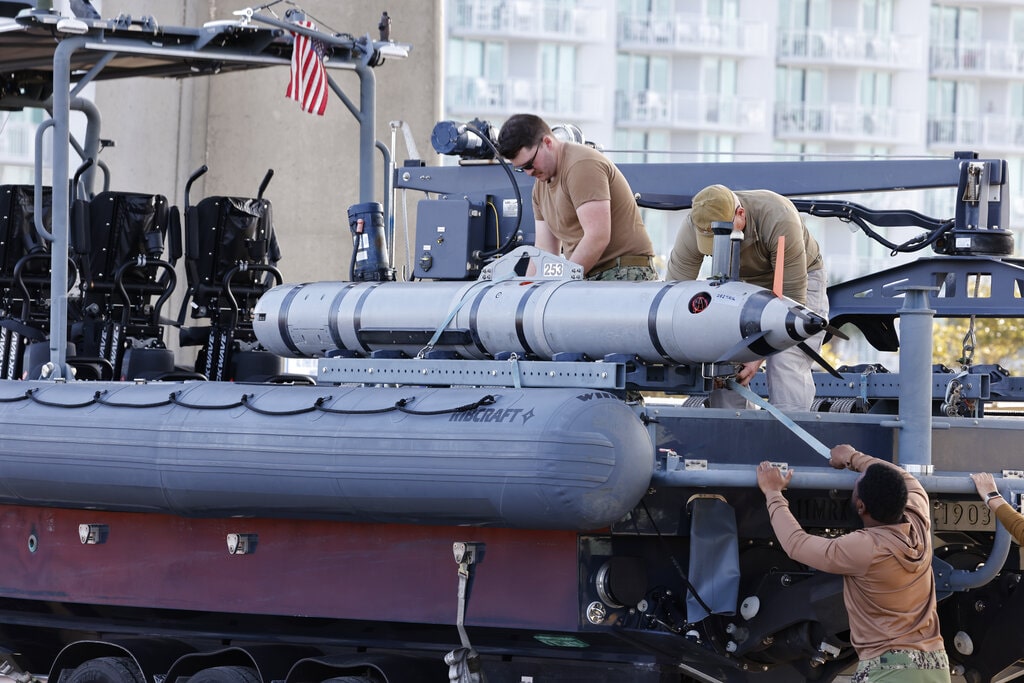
column 119, row 240
column 24, row 276
column 231, row 255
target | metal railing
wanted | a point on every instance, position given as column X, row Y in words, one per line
column 842, row 46
column 693, row 32
column 685, row 109
column 549, row 99
column 844, row 121
column 992, row 59
column 531, row 18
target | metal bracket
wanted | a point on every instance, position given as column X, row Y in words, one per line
column 465, row 554
column 547, row 266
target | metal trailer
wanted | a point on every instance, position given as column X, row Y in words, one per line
column 509, row 494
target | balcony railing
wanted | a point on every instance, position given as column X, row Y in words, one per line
column 850, row 47
column 478, row 96
column 1004, row 133
column 693, row 32
column 530, row 18
column 692, row 110
column 848, row 123
column 990, row 59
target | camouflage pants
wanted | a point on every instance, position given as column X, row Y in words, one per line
column 626, row 273
column 904, row 665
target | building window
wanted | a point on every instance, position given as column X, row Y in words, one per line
column 643, row 88
column 475, row 74
column 956, row 38
column 558, row 87
column 717, row 147
column 953, row 112
column 801, row 108
column 876, row 16
column 803, row 27
column 718, row 91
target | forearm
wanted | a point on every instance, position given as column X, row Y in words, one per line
column 814, row 551
column 588, row 252
column 596, row 221
column 1011, row 519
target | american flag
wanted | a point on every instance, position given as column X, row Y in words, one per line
column 308, row 84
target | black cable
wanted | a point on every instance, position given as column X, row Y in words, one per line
column 515, row 235
column 846, row 214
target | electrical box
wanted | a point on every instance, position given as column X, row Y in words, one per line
column 449, row 235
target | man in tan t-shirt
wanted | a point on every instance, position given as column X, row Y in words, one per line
column 888, row 583
column 583, row 206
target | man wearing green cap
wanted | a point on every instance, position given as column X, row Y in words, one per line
column 763, row 216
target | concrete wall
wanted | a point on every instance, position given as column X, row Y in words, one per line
column 241, row 124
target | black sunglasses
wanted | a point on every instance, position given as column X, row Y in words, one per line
column 528, row 166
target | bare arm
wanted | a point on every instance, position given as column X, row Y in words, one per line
column 545, row 241
column 596, row 221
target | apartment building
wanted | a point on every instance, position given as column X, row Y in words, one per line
column 724, row 79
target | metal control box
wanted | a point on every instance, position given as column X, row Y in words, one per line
column 449, row 237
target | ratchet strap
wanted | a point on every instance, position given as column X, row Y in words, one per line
column 464, row 662
column 818, row 447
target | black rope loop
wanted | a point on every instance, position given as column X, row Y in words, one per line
column 485, row 401
column 375, row 411
column 115, row 404
column 281, row 413
column 246, row 402
column 227, row 406
column 31, row 394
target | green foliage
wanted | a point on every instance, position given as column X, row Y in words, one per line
column 998, row 340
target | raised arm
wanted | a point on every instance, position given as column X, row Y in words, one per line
column 849, row 554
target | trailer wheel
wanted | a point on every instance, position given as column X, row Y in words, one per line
column 226, row 674
column 104, row 670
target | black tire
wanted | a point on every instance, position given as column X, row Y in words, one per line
column 351, row 679
column 104, row 670
column 226, row 674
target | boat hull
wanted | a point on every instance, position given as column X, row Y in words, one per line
column 526, row 458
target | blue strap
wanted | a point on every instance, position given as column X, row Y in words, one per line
column 819, row 448
column 451, row 316
column 516, row 377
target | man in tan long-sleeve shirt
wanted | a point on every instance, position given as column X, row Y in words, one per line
column 888, row 585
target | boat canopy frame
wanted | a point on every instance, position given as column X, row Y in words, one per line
column 46, row 60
